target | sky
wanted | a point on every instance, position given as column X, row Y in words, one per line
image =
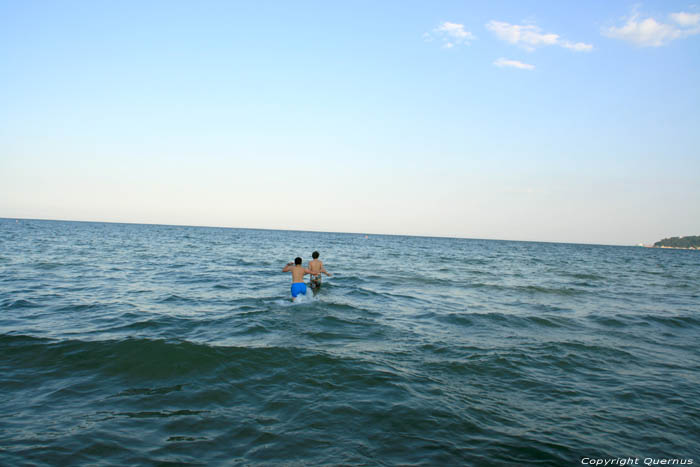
column 519, row 120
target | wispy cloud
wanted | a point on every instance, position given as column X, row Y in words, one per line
column 686, row 19
column 506, row 63
column 450, row 34
column 529, row 36
column 648, row 32
column 577, row 46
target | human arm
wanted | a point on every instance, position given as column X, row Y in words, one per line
column 288, row 267
column 323, row 270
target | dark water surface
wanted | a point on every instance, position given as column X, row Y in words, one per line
column 142, row 344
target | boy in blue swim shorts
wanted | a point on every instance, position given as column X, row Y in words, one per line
column 298, row 272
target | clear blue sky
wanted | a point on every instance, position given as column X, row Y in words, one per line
column 524, row 120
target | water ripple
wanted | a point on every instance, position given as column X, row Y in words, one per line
column 132, row 344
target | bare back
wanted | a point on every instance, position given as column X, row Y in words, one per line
column 316, row 266
column 298, row 273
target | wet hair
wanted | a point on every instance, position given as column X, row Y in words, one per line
column 314, row 255
column 297, row 260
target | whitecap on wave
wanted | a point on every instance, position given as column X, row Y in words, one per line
column 301, row 299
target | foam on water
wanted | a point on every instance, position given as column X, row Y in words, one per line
column 299, row 300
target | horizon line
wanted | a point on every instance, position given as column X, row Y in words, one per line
column 320, row 231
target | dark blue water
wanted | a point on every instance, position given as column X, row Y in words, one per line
column 141, row 344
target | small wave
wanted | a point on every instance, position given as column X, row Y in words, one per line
column 337, row 321
column 441, row 349
column 366, row 293
column 505, row 320
column 82, row 307
column 47, row 266
column 150, row 391
column 670, row 321
column 565, row 291
column 322, row 336
column 345, row 307
column 549, row 322
column 484, row 285
column 609, row 320
column 584, row 276
column 173, row 298
column 132, row 357
column 480, row 364
column 9, row 304
column 137, row 326
column 579, row 355
column 181, row 439
column 160, row 413
column 455, row 318
column 548, row 308
column 155, row 360
column 585, row 284
column 673, row 321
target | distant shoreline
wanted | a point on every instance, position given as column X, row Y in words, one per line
column 688, row 242
column 674, row 247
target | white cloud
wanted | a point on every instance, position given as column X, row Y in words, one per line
column 529, row 36
column 652, row 33
column 647, row 33
column 455, row 30
column 451, row 34
column 686, row 19
column 577, row 46
column 504, row 62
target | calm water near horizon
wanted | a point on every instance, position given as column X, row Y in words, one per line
column 129, row 344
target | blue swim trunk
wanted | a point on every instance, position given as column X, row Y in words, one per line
column 298, row 288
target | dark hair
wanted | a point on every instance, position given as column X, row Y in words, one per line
column 314, row 255
column 297, row 260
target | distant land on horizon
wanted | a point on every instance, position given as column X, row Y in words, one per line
column 690, row 242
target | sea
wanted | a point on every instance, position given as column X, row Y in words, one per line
column 128, row 344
